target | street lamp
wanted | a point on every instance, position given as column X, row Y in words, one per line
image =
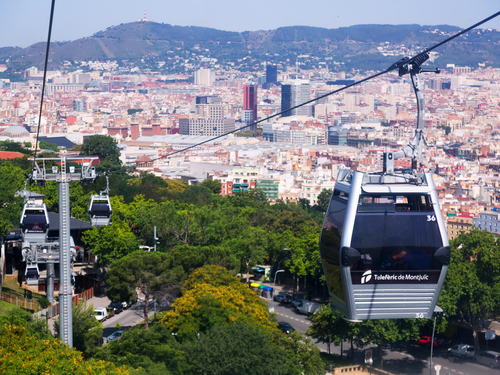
column 294, row 286
column 274, row 288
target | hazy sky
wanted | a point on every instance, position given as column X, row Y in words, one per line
column 24, row 22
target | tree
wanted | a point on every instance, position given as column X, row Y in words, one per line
column 155, row 350
column 152, row 273
column 193, row 257
column 214, row 185
column 87, row 330
column 11, row 181
column 211, row 297
column 328, row 328
column 23, row 353
column 13, row 146
column 382, row 331
column 106, row 148
column 304, row 353
column 44, row 145
column 235, row 348
column 250, row 247
column 324, row 199
column 111, row 242
column 472, row 283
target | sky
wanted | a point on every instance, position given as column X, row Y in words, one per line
column 25, row 22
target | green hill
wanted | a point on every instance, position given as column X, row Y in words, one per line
column 356, row 46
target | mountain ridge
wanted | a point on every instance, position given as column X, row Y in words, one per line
column 345, row 46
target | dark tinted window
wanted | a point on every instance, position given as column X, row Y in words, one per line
column 34, row 220
column 330, row 244
column 396, row 241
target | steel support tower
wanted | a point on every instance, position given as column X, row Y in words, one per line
column 59, row 173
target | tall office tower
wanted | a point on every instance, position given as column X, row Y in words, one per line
column 249, row 113
column 204, row 77
column 271, row 75
column 294, row 93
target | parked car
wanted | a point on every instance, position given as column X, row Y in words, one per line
column 297, row 302
column 117, row 306
column 308, row 307
column 426, row 341
column 110, row 311
column 286, row 327
column 115, row 336
column 283, row 298
column 100, row 314
column 488, row 358
column 462, row 350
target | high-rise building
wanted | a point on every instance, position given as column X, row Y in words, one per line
column 271, row 75
column 249, row 114
column 294, row 93
column 204, row 77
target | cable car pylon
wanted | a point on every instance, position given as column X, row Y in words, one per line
column 63, row 175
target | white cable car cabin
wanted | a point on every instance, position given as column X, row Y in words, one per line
column 100, row 210
column 32, row 274
column 34, row 222
column 384, row 246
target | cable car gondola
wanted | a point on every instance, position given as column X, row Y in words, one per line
column 100, row 208
column 32, row 274
column 383, row 244
column 34, row 221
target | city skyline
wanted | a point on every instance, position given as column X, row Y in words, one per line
column 71, row 21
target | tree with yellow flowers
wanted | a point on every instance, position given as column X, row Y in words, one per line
column 211, row 297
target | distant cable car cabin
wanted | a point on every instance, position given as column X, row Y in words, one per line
column 32, row 274
column 384, row 246
column 100, row 207
column 34, row 221
column 100, row 210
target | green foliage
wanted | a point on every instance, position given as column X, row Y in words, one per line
column 106, row 148
column 324, row 199
column 13, row 146
column 31, row 323
column 111, row 242
column 250, row 247
column 131, row 111
column 236, row 349
column 472, row 283
column 44, row 302
column 152, row 351
column 87, row 330
column 246, row 134
column 11, row 181
column 212, row 297
column 44, row 145
column 303, row 352
column 214, row 185
column 151, row 272
column 193, row 257
column 24, row 352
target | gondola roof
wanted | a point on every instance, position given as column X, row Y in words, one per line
column 74, row 224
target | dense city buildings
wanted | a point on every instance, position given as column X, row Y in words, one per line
column 295, row 156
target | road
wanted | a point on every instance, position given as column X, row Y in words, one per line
column 127, row 318
column 400, row 358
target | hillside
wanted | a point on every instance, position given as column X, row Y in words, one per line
column 355, row 47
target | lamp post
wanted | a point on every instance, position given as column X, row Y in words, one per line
column 274, row 287
column 294, row 286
